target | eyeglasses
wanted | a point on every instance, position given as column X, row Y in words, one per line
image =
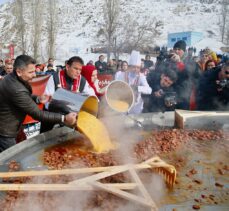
column 227, row 72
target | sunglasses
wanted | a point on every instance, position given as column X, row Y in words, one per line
column 227, row 72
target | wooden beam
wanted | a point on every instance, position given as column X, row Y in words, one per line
column 124, row 194
column 62, row 187
column 142, row 187
column 101, row 175
column 63, row 171
column 151, row 163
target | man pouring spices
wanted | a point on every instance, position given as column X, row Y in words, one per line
column 17, row 101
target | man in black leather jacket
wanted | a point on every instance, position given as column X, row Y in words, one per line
column 17, row 101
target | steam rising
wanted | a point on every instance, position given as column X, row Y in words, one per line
column 67, row 201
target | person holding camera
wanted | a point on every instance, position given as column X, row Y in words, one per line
column 213, row 89
column 163, row 96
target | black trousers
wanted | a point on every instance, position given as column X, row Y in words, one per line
column 46, row 126
column 6, row 142
column 56, row 107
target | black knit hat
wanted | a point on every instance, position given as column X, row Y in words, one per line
column 181, row 44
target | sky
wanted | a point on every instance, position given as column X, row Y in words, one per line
column 3, row 1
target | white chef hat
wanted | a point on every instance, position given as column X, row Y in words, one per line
column 135, row 58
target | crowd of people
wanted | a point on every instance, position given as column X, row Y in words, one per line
column 189, row 82
column 179, row 79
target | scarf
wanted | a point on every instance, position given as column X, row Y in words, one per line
column 87, row 73
column 63, row 82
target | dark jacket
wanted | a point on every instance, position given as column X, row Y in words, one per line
column 3, row 72
column 187, row 81
column 16, row 102
column 111, row 69
column 50, row 72
column 148, row 63
column 209, row 98
column 157, row 104
column 101, row 66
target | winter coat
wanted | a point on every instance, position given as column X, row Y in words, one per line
column 101, row 66
column 148, row 63
column 209, row 98
column 50, row 72
column 153, row 103
column 16, row 102
column 187, row 82
column 2, row 71
column 112, row 69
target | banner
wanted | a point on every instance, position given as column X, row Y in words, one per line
column 104, row 79
column 38, row 85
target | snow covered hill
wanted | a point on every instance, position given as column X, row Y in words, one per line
column 80, row 20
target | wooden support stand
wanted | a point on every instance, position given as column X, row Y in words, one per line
column 92, row 182
column 200, row 119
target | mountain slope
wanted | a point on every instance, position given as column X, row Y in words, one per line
column 80, row 20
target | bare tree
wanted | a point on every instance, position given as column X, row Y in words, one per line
column 20, row 24
column 227, row 35
column 52, row 26
column 139, row 36
column 111, row 17
column 125, row 33
column 37, row 26
column 225, row 10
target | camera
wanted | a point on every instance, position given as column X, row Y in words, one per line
column 165, row 56
column 223, row 84
column 162, row 56
column 170, row 98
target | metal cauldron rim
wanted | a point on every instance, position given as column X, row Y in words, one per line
column 115, row 81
